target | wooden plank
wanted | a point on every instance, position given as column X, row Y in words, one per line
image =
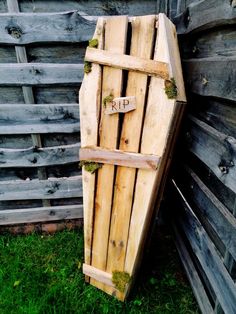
column 90, row 99
column 213, row 76
column 213, row 210
column 215, row 149
column 120, row 105
column 214, row 13
column 108, row 134
column 41, row 189
column 119, row 157
column 98, row 275
column 11, row 95
column 162, row 115
column 27, row 119
column 40, row 74
column 207, row 256
column 127, row 62
column 38, row 214
column 143, row 30
column 38, row 157
column 56, row 94
column 27, row 28
column 193, row 277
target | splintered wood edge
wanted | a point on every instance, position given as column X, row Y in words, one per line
column 98, row 275
column 127, row 62
column 119, row 157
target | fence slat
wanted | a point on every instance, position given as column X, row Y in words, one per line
column 40, row 74
column 52, row 188
column 52, row 213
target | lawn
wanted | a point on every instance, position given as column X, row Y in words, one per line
column 42, row 274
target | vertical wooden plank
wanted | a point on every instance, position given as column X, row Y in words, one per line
column 159, row 119
column 143, row 29
column 89, row 100
column 21, row 55
column 115, row 41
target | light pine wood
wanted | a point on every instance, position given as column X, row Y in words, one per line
column 119, row 157
column 121, row 105
column 142, row 32
column 98, row 275
column 159, row 121
column 115, row 41
column 127, row 62
column 89, row 99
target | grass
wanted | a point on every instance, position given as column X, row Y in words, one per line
column 42, row 274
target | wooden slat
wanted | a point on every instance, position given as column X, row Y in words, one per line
column 38, row 157
column 208, row 257
column 108, row 134
column 29, row 215
column 41, row 189
column 127, row 62
column 40, row 74
column 213, row 13
column 26, row 28
column 213, row 76
column 27, row 119
column 215, row 149
column 119, row 158
column 90, row 99
column 162, row 119
column 98, row 275
column 193, row 277
column 142, row 31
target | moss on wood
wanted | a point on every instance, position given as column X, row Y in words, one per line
column 107, row 99
column 90, row 166
column 171, row 88
column 120, row 279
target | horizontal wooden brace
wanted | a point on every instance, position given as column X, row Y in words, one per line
column 126, row 62
column 119, row 157
column 98, row 275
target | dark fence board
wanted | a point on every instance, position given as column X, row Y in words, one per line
column 41, row 189
column 40, row 74
column 29, row 215
column 205, row 14
column 38, row 157
column 20, row 119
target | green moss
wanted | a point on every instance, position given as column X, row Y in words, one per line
column 93, row 43
column 120, row 280
column 171, row 88
column 107, row 99
column 90, row 166
column 87, row 67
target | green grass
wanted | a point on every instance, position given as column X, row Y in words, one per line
column 42, row 274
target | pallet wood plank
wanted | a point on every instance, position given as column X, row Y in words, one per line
column 40, row 74
column 127, row 62
column 28, row 119
column 119, row 157
column 38, row 214
column 25, row 28
column 161, row 116
column 142, row 31
column 108, row 133
column 98, row 275
column 90, row 98
column 39, row 157
column 51, row 188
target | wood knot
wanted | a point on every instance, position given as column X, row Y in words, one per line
column 14, row 31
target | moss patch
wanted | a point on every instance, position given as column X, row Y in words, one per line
column 90, row 166
column 107, row 99
column 87, row 67
column 120, row 280
column 93, row 43
column 171, row 88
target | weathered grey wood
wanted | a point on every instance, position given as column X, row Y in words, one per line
column 7, row 54
column 40, row 74
column 15, row 141
column 56, row 94
column 211, row 76
column 193, row 277
column 9, row 94
column 26, row 28
column 205, row 14
column 25, row 119
column 204, row 249
column 218, row 216
column 41, row 189
column 29, row 215
column 215, row 149
column 38, row 157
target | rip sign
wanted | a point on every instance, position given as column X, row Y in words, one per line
column 121, row 105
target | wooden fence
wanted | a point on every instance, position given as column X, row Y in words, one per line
column 204, row 183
